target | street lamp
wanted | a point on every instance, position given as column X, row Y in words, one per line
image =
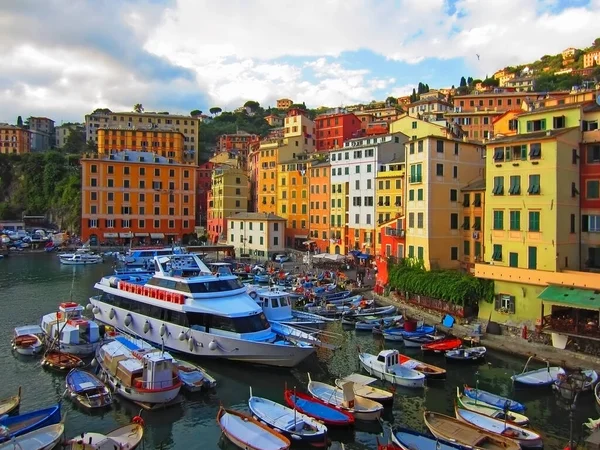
column 568, row 389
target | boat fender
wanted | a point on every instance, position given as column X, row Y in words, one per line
column 138, row 420
column 213, row 345
column 163, row 329
column 192, row 344
column 147, row 326
column 181, row 336
column 111, row 314
column 128, row 320
column 95, row 310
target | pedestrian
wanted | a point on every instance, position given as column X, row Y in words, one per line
column 368, row 273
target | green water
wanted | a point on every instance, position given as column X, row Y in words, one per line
column 33, row 285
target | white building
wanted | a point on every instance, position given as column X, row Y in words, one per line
column 257, row 235
column 430, row 110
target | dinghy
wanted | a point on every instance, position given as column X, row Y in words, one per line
column 193, row 377
column 318, row 409
column 525, row 438
column 14, row 426
column 442, row 345
column 373, row 311
column 368, row 323
column 127, row 437
column 386, row 366
column 494, row 412
column 363, row 388
column 466, row 354
column 87, row 390
column 428, row 370
column 453, row 430
column 344, row 398
column 248, row 433
column 43, row 439
column 539, row 377
column 10, row 404
column 289, row 422
column 585, row 380
column 398, row 334
column 493, row 399
column 28, row 340
column 406, row 439
column 61, row 361
column 418, row 341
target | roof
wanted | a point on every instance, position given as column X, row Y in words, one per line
column 552, row 108
column 510, row 111
column 571, row 296
column 320, row 162
column 472, row 113
column 502, row 94
column 427, row 101
column 148, row 114
column 255, row 216
column 591, row 108
column 134, row 156
column 532, row 136
column 477, row 185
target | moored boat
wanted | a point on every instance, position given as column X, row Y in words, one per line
column 493, row 399
column 597, row 393
column 494, row 412
column 318, row 409
column 68, row 330
column 453, row 430
column 363, row 388
column 386, row 366
column 429, row 370
column 10, row 404
column 407, row 439
column 45, row 438
column 248, row 433
column 539, row 377
column 194, row 377
column 442, row 345
column 370, row 322
column 583, row 380
column 466, row 354
column 14, row 426
column 127, row 437
column 61, row 361
column 418, row 341
column 87, row 390
column 398, row 334
column 378, row 311
column 28, row 340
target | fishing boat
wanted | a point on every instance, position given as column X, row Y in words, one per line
column 314, row 407
column 127, row 437
column 524, row 437
column 87, row 390
column 442, row 345
column 370, row 322
column 194, row 377
column 344, row 398
column 289, row 422
column 363, row 388
column 418, row 341
column 429, row 370
column 85, row 259
column 398, row 334
column 494, row 412
column 61, row 361
column 45, row 438
column 453, row 430
column 493, row 399
column 407, row 439
column 377, row 311
column 466, row 354
column 28, row 340
column 539, row 377
column 386, row 366
column 10, row 404
column 14, row 426
column 248, row 433
column 137, row 371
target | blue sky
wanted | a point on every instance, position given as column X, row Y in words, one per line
column 181, row 55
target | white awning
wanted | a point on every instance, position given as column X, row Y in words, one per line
column 141, row 234
column 157, row 235
column 126, row 235
column 111, row 235
column 301, row 236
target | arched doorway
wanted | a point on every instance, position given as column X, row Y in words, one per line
column 93, row 239
column 337, row 249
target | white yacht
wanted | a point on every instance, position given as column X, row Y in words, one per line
column 143, row 257
column 186, row 308
column 82, row 256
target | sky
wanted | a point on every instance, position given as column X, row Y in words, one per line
column 64, row 58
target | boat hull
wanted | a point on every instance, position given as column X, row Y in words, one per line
column 68, row 262
column 79, row 349
column 318, row 409
column 393, row 378
column 240, row 440
column 366, row 415
column 540, row 377
column 29, row 350
column 45, row 438
column 206, row 344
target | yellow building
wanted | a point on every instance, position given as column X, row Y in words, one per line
column 228, row 196
column 437, row 168
column 266, row 183
column 293, row 198
column 551, row 118
column 473, row 224
column 416, row 129
column 390, row 179
column 164, row 142
column 284, row 103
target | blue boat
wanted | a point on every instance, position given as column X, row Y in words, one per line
column 322, row 293
column 262, row 278
column 494, row 399
column 87, row 390
column 398, row 334
column 14, row 426
column 318, row 409
column 409, row 439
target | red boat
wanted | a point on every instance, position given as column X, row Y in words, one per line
column 442, row 345
column 318, row 409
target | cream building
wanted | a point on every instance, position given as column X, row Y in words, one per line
column 64, row 131
column 257, row 235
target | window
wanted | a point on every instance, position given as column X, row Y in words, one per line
column 515, row 220
column 466, row 199
column 515, row 185
column 592, row 189
column 505, row 303
column 558, row 122
column 498, row 186
column 411, row 195
column 593, row 154
column 535, row 151
column 453, row 195
column 536, row 125
column 414, row 125
column 411, row 220
column 534, row 185
column 532, row 258
column 411, row 251
column 411, row 148
column 466, row 248
column 454, row 221
column 477, row 252
column 439, row 170
column 420, row 253
column 466, row 223
column 416, row 171
column 497, row 252
column 440, row 146
column 593, row 224
column 453, row 253
column 498, row 220
column 419, row 194
column 534, row 221
column 477, row 201
column 477, row 224
column 455, row 172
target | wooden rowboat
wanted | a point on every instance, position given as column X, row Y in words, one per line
column 10, row 404
column 363, row 389
column 318, row 409
column 426, row 369
column 248, row 433
column 126, row 437
column 42, row 439
column 405, row 439
column 494, row 412
column 442, row 345
column 15, row 426
column 61, row 361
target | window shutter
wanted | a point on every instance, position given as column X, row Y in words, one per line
column 584, row 223
column 543, row 124
column 497, row 302
column 529, row 126
column 512, row 304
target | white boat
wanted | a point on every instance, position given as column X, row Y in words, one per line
column 84, row 250
column 28, row 340
column 292, row 424
column 540, row 377
column 194, row 377
column 127, row 437
column 188, row 309
column 386, row 366
column 379, row 311
column 143, row 257
column 370, row 322
column 137, row 371
column 81, row 257
column 345, row 399
column 76, row 334
column 584, row 380
column 45, row 438
column 418, row 341
column 248, row 433
column 466, row 354
column 363, row 388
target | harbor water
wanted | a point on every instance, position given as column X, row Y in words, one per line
column 32, row 285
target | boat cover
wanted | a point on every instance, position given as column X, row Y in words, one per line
column 81, row 381
column 247, row 431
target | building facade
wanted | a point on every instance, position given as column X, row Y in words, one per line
column 239, row 142
column 591, row 59
column 292, row 198
column 63, row 132
column 42, row 133
column 14, row 140
column 320, row 207
column 256, row 235
column 336, row 128
column 430, row 110
column 473, row 224
column 228, row 196
column 389, row 209
column 284, row 103
column 590, row 188
column 203, row 187
column 163, row 142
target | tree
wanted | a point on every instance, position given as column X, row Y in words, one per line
column 75, row 142
column 195, row 112
column 470, row 81
column 426, row 88
column 596, row 44
column 138, row 108
column 490, row 82
column 215, row 110
column 91, row 146
column 413, row 96
column 463, row 82
column 254, row 106
column 19, row 121
column 392, row 101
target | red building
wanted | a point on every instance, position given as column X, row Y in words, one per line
column 335, row 129
column 391, row 247
column 239, row 141
column 589, row 156
column 204, row 172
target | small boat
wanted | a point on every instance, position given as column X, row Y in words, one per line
column 370, row 322
column 45, row 438
column 87, row 390
column 466, row 354
column 14, row 426
column 398, row 334
column 248, row 433
column 430, row 371
column 584, row 380
column 407, row 439
column 418, row 341
column 386, row 366
column 193, row 377
column 363, row 388
column 289, row 422
column 10, row 404
column 28, row 340
column 453, row 430
column 376, row 311
column 61, row 361
column 493, row 399
column 442, row 345
column 524, row 437
column 494, row 412
column 80, row 258
column 597, row 393
column 70, row 331
column 314, row 407
column 344, row 398
column 126, row 437
column 539, row 377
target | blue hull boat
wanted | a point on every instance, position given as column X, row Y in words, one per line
column 24, row 423
column 410, row 439
column 493, row 399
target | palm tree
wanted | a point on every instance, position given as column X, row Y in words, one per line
column 215, row 110
column 138, row 108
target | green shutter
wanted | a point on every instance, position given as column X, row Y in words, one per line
column 524, row 152
column 513, row 259
column 532, row 258
column 543, row 124
column 529, row 126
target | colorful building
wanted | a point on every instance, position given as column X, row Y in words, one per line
column 256, row 235
column 228, row 196
column 203, row 186
column 506, row 124
column 473, row 224
column 333, row 129
column 266, row 184
column 239, row 142
column 284, row 103
column 320, row 206
column 62, row 132
column 14, row 140
column 416, row 128
column 136, row 196
column 163, row 142
column 591, row 59
column 389, row 209
column 274, row 121
column 431, row 110
column 590, row 188
column 293, row 197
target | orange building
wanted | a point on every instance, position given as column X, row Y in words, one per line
column 266, row 184
column 320, row 207
column 293, row 200
column 166, row 143
column 138, row 196
column 14, row 140
column 284, row 103
column 239, row 141
column 506, row 124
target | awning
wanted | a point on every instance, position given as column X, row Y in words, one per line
column 141, row 234
column 573, row 297
column 111, row 235
column 301, row 236
column 126, row 235
column 157, row 235
column 308, row 242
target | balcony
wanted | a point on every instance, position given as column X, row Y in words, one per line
column 415, row 179
column 390, row 174
column 389, row 231
column 591, row 136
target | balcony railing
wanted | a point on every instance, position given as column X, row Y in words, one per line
column 389, row 231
